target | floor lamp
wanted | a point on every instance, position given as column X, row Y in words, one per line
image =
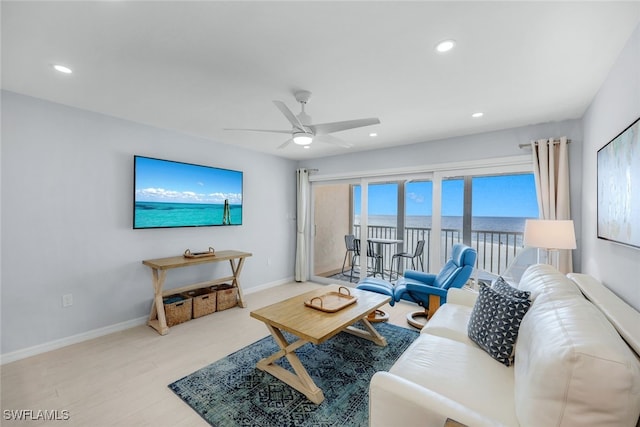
column 551, row 235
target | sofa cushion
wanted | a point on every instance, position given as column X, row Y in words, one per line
column 571, row 366
column 540, row 277
column 495, row 321
column 450, row 321
column 460, row 372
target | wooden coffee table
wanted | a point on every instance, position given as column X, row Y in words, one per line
column 314, row 326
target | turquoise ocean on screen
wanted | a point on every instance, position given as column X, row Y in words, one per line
column 160, row 214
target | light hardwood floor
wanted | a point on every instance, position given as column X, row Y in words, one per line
column 121, row 379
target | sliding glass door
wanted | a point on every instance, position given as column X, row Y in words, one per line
column 501, row 205
column 453, row 214
column 418, row 202
column 485, row 211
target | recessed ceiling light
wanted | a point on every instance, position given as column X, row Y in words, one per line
column 445, row 46
column 373, row 134
column 62, row 69
column 476, row 115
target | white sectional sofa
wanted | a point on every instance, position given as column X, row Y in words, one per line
column 571, row 365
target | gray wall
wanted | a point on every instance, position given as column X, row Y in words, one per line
column 67, row 180
column 615, row 107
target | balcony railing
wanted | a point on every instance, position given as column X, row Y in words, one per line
column 496, row 249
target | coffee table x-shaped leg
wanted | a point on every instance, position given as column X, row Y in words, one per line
column 301, row 380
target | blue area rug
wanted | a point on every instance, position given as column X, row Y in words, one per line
column 233, row 392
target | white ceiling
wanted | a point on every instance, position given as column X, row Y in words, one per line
column 200, row 67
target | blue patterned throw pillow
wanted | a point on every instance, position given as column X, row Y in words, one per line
column 500, row 285
column 495, row 321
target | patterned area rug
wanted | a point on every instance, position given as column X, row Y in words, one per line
column 233, row 392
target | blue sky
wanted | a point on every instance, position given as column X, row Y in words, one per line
column 501, row 196
column 166, row 181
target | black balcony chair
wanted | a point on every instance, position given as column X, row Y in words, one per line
column 378, row 260
column 350, row 243
column 356, row 254
column 416, row 255
column 371, row 253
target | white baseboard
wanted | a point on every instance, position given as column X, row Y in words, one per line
column 74, row 339
column 268, row 285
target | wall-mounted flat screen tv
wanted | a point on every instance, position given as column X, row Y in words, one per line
column 619, row 188
column 174, row 194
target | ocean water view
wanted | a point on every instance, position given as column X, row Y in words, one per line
column 497, row 239
column 161, row 214
column 481, row 223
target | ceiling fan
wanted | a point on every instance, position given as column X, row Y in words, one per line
column 303, row 132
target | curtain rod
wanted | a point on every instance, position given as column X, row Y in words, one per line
column 555, row 141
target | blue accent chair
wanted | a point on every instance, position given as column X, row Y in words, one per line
column 426, row 289
column 430, row 290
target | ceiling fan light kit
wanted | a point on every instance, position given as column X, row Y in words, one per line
column 302, row 138
column 303, row 132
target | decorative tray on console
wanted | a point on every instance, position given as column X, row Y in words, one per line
column 189, row 254
column 332, row 301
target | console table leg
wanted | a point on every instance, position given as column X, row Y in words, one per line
column 236, row 268
column 157, row 318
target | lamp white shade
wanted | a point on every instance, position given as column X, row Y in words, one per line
column 549, row 234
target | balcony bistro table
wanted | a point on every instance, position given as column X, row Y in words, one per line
column 380, row 242
column 159, row 267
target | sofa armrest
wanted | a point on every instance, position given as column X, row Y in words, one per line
column 462, row 297
column 426, row 278
column 395, row 401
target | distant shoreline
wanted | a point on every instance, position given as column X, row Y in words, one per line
column 485, row 223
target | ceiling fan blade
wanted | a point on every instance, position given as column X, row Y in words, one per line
column 284, row 144
column 330, row 139
column 325, row 128
column 261, row 130
column 290, row 116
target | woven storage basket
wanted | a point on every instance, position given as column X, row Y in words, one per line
column 177, row 309
column 227, row 297
column 204, row 301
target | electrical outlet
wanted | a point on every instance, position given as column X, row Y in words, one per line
column 67, row 300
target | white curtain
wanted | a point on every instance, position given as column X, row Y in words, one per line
column 551, row 171
column 302, row 257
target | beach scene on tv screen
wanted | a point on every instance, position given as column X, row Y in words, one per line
column 173, row 194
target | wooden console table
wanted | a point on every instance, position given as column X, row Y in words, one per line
column 159, row 267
